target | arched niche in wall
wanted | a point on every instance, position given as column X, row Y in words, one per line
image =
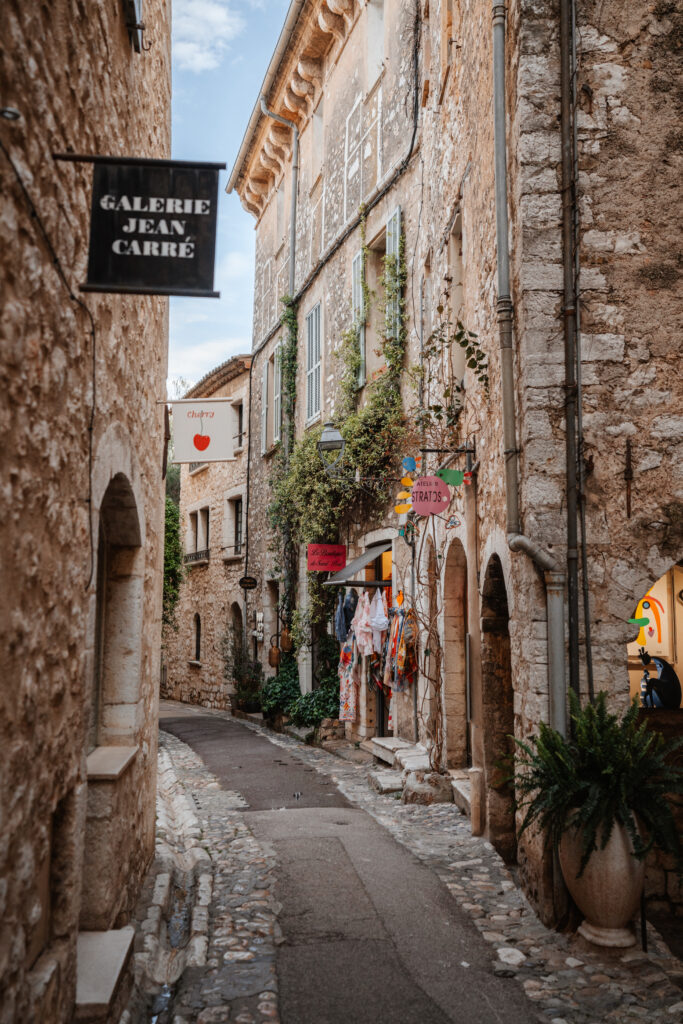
column 114, row 714
column 498, row 710
column 455, row 655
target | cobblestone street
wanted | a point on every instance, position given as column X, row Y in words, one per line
column 233, row 937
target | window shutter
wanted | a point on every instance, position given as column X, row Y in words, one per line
column 313, row 363
column 264, row 410
column 359, row 315
column 393, row 248
column 277, row 394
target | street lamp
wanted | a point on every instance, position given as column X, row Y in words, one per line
column 331, row 442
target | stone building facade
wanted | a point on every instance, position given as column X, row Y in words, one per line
column 416, row 110
column 210, row 610
column 82, row 514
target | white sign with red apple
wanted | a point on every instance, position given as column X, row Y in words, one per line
column 203, row 431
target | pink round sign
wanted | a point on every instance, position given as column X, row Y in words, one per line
column 430, row 495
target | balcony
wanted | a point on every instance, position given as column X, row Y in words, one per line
column 197, row 557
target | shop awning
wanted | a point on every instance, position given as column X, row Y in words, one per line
column 346, row 577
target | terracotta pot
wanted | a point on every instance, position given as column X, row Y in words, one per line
column 608, row 891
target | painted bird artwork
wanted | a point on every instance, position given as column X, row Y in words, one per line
column 649, row 617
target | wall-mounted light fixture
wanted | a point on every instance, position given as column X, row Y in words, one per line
column 331, row 444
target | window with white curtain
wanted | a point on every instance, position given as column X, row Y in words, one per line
column 393, row 248
column 313, row 364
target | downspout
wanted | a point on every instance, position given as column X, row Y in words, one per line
column 554, row 577
column 288, row 570
column 569, row 312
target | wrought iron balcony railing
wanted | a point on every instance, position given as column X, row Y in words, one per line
column 193, row 557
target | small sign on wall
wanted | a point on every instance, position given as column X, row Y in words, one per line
column 326, row 557
column 203, row 431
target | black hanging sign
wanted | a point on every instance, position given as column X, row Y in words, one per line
column 152, row 227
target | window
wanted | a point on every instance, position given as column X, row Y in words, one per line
column 375, row 40
column 197, row 638
column 393, row 253
column 238, row 526
column 276, row 360
column 358, row 308
column 313, row 364
column 455, row 281
column 132, row 10
column 317, row 143
column 239, row 425
column 264, row 409
column 203, row 538
column 280, row 225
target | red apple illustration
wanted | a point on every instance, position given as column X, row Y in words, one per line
column 201, row 442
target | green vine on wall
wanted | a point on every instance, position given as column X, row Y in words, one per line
column 308, row 503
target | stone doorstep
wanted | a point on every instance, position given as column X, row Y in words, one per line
column 461, row 790
column 384, row 747
column 385, row 781
column 102, row 958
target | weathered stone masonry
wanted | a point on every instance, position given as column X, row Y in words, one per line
column 76, row 836
column 630, row 308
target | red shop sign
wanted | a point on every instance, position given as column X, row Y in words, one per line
column 430, row 496
column 326, row 557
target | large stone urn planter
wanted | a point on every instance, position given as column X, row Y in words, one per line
column 608, row 891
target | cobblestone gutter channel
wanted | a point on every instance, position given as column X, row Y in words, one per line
column 570, row 981
column 206, row 926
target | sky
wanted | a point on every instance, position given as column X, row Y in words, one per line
column 221, row 50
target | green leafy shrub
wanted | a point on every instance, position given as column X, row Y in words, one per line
column 173, row 563
column 282, row 690
column 311, row 708
column 611, row 770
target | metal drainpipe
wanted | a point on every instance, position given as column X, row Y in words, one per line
column 569, row 311
column 288, row 584
column 554, row 577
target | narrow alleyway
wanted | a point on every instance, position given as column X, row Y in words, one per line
column 370, row 934
column 286, row 889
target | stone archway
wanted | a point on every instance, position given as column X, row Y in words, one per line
column 115, row 707
column 498, row 711
column 455, row 656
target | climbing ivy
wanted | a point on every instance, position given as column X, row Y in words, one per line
column 313, row 505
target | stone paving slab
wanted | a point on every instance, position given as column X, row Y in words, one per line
column 386, row 781
column 570, row 981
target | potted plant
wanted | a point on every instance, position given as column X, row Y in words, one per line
column 601, row 797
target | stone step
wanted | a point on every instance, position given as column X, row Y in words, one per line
column 385, row 781
column 384, row 747
column 102, row 959
column 413, row 758
column 461, row 790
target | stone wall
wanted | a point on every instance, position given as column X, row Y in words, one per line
column 78, row 84
column 210, row 588
column 628, row 140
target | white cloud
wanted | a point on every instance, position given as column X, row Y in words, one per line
column 194, row 360
column 202, row 32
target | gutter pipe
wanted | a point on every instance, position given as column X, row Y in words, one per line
column 569, row 315
column 517, row 541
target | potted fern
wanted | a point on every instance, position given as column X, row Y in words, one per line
column 601, row 797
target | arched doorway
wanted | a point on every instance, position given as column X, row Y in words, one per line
column 498, row 711
column 455, row 656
